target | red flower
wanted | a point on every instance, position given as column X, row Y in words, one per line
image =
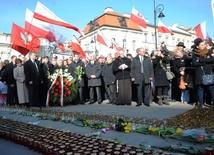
column 69, row 92
column 69, row 84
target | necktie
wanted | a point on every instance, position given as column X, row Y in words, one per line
column 141, row 61
column 37, row 69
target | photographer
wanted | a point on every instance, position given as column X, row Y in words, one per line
column 160, row 61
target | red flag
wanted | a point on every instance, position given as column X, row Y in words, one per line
column 75, row 46
column 100, row 38
column 23, row 38
column 137, row 17
column 163, row 29
column 104, row 50
column 44, row 14
column 20, row 49
column 200, row 30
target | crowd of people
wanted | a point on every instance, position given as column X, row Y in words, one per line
column 120, row 80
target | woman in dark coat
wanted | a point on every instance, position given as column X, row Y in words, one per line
column 178, row 61
column 161, row 82
column 203, row 61
column 121, row 67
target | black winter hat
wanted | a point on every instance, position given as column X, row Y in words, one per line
column 197, row 41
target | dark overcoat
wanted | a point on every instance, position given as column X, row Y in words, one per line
column 93, row 69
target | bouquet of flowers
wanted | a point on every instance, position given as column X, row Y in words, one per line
column 62, row 89
column 79, row 72
column 123, row 125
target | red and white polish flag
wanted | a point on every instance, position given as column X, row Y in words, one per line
column 44, row 14
column 200, row 30
column 38, row 27
column 101, row 39
column 76, row 47
column 137, row 18
column 163, row 29
column 103, row 44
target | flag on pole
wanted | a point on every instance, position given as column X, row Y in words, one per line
column 23, row 38
column 137, row 18
column 200, row 30
column 44, row 14
column 101, row 39
column 103, row 44
column 38, row 27
column 43, row 30
column 75, row 46
column 163, row 29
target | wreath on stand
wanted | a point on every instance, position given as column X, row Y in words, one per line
column 62, row 89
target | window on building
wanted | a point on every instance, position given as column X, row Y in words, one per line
column 133, row 45
column 124, row 43
column 93, row 24
column 153, row 38
column 122, row 21
column 145, row 37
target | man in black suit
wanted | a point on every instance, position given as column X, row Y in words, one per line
column 79, row 82
column 142, row 74
column 33, row 80
column 8, row 78
column 45, row 70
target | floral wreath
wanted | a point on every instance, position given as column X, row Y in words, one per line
column 62, row 89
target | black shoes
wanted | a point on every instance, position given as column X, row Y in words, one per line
column 99, row 102
column 138, row 105
column 81, row 102
column 147, row 105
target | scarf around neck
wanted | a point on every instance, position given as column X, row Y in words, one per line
column 179, row 56
column 201, row 53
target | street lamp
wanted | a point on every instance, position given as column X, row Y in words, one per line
column 157, row 9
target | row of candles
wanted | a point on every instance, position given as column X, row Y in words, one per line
column 49, row 141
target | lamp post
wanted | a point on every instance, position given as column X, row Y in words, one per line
column 157, row 9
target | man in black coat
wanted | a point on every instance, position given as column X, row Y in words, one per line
column 45, row 70
column 33, row 80
column 79, row 80
column 121, row 68
column 142, row 74
column 109, row 80
column 8, row 78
